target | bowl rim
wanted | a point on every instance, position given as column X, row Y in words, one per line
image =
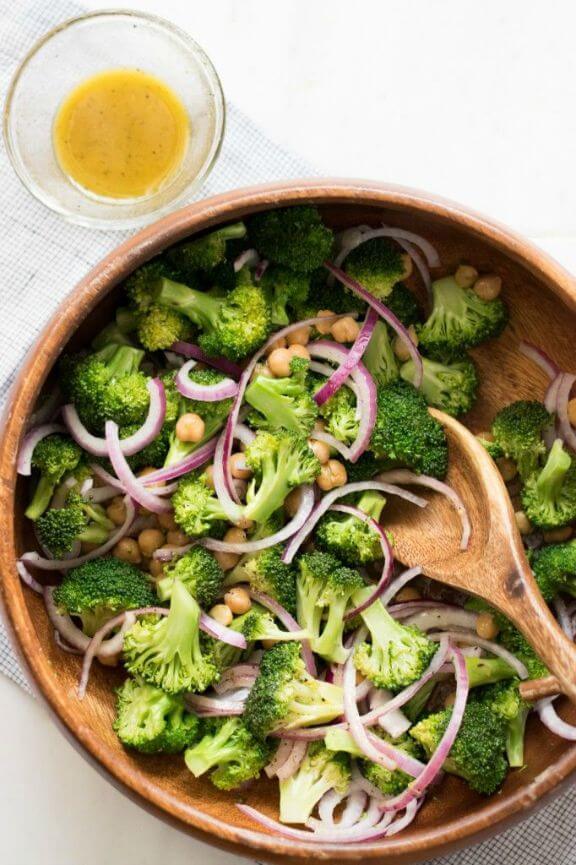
column 192, row 185
column 71, row 312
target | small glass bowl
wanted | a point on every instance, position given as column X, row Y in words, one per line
column 80, row 48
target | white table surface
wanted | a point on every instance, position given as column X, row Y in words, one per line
column 475, row 101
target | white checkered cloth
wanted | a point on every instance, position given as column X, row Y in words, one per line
column 41, row 260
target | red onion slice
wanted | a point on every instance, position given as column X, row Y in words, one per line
column 539, row 357
column 385, row 313
column 134, row 487
column 442, row 619
column 166, row 554
column 63, row 624
column 567, row 433
column 29, row 442
column 488, row 645
column 400, row 582
column 564, row 617
column 239, row 676
column 328, row 500
column 221, row 632
column 212, row 707
column 196, row 459
column 403, row 476
column 419, row 263
column 551, row 398
column 132, row 444
column 224, row 389
column 261, row 269
column 289, row 623
column 395, row 723
column 28, row 579
column 188, row 349
column 37, row 561
column 282, row 753
column 292, row 763
column 249, row 257
column 353, row 357
column 386, row 553
column 550, row 718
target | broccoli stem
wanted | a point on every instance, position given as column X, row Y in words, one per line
column 372, row 504
column 121, row 359
column 487, row 671
column 515, row 739
column 263, row 396
column 551, row 478
column 213, row 751
column 41, row 498
column 200, row 307
column 329, row 644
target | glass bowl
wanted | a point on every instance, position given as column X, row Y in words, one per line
column 80, row 48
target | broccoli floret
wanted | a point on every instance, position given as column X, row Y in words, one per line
column 378, row 265
column 404, row 305
column 166, row 651
column 517, row 431
column 549, row 496
column 285, row 696
column 53, row 457
column 137, row 286
column 280, row 461
column 199, row 571
column 233, row 325
column 478, row 754
column 340, row 415
column 366, row 468
column 448, row 385
column 259, row 624
column 266, row 572
column 323, row 590
column 347, row 537
column 153, row 454
column 321, row 295
column 283, row 402
column 406, row 433
column 321, row 770
column 295, row 237
column 231, row 751
column 511, row 638
column 153, row 722
column 59, row 528
column 504, row 700
column 397, row 654
column 486, row 671
column 492, row 447
column 159, row 327
column 100, row 589
column 460, row 319
column 554, row 567
column 197, row 510
column 379, row 358
column 285, row 290
column 389, row 781
column 204, row 253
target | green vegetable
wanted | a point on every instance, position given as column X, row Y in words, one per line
column 450, row 386
column 321, row 770
column 266, row 572
column 283, row 402
column 340, row 415
column 153, row 722
column 517, row 431
column 230, row 750
column 204, row 253
column 378, row 264
column 347, row 537
column 285, row 290
column 294, row 237
column 379, row 358
column 53, row 457
column 199, row 572
column 79, row 520
column 549, row 496
column 196, row 508
column 554, row 567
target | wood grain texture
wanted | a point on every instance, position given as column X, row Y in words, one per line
column 542, row 298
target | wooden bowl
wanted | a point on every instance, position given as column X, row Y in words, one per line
column 542, row 298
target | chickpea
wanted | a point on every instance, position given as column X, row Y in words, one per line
column 238, row 600
column 177, row 538
column 127, row 550
column 466, row 276
column 190, row 427
column 558, row 536
column 298, row 350
column 486, row 626
column 238, row 467
column 572, row 411
column 209, row 475
column 523, row 523
column 292, row 503
column 408, row 265
column 449, row 700
column 300, row 336
column 167, row 522
column 345, row 329
column 156, row 568
column 268, row 644
column 507, row 468
column 400, row 347
column 227, row 561
column 324, row 328
column 279, row 362
column 488, row 287
column 321, row 449
column 278, row 343
column 332, row 475
column 319, row 426
column 222, row 614
column 408, row 593
column 149, row 540
column 116, row 511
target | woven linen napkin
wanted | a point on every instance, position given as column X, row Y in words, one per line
column 41, row 260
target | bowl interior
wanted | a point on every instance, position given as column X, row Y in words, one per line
column 446, row 819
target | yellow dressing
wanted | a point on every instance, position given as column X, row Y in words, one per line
column 121, row 134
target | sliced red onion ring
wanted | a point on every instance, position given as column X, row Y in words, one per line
column 564, row 618
column 166, row 554
column 539, row 357
column 289, row 623
column 354, row 356
column 48, row 410
column 400, row 582
column 441, row 618
column 403, row 476
column 403, row 609
column 386, row 553
column 131, row 484
column 239, row 676
column 550, row 718
column 249, row 257
column 261, row 269
column 132, row 444
column 196, row 459
column 282, row 753
column 64, row 624
column 328, row 500
column 29, row 442
column 433, row 768
column 488, row 645
column 103, row 494
column 292, row 763
column 419, row 263
column 37, row 561
column 395, row 723
column 28, row 579
column 244, row 434
column 221, row 632
column 212, row 707
column 62, row 644
column 224, row 389
column 326, row 807
column 385, row 313
column 61, row 494
column 226, row 366
column 551, row 399
column 106, row 477
column 567, row 433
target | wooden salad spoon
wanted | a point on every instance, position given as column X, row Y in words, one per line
column 494, row 566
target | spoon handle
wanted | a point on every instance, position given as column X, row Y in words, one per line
column 535, row 689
